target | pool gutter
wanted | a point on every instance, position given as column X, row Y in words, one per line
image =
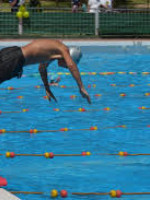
column 5, row 195
column 90, row 42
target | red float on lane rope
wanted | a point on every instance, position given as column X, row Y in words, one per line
column 3, row 182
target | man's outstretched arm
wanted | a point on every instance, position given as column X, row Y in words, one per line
column 43, row 73
column 75, row 73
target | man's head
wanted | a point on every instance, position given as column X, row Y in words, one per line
column 75, row 53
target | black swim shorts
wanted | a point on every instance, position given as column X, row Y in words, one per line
column 11, row 63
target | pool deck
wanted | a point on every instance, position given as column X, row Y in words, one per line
column 83, row 42
column 5, row 195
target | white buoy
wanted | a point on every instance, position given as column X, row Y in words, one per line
column 5, row 195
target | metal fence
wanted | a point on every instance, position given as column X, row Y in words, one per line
column 125, row 23
column 62, row 23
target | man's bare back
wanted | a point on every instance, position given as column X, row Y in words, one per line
column 43, row 50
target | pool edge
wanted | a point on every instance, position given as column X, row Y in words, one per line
column 82, row 42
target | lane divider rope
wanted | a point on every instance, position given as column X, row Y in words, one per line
column 94, row 85
column 91, row 73
column 92, row 128
column 41, row 131
column 8, row 112
column 98, row 95
column 64, row 193
column 129, row 85
column 88, row 153
column 77, row 110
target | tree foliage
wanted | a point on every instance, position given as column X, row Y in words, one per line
column 120, row 3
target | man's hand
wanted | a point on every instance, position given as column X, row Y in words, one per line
column 43, row 73
column 50, row 95
column 85, row 95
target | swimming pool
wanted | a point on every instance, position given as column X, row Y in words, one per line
column 119, row 112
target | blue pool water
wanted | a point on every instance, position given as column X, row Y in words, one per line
column 95, row 173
